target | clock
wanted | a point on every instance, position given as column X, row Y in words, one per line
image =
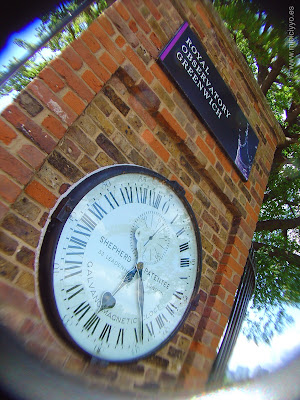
column 120, row 263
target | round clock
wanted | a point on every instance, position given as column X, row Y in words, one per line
column 120, row 263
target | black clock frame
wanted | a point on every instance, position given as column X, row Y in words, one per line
column 51, row 237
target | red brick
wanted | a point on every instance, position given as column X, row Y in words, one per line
column 14, row 167
column 223, row 159
column 51, row 79
column 171, row 121
column 72, row 58
column 137, row 16
column 189, row 196
column 222, row 307
column 214, row 328
column 90, row 78
column 74, row 102
column 42, row 195
column 226, row 283
column 232, row 250
column 153, row 9
column 252, row 213
column 210, row 141
column 225, row 269
column 218, row 291
column 162, row 77
column 72, row 79
column 90, row 40
column 53, row 102
column 28, row 128
column 7, row 135
column 32, row 155
column 8, row 189
column 234, row 265
column 122, row 11
column 91, row 60
column 197, row 27
column 230, row 300
column 206, row 150
column 203, row 16
column 152, row 50
column 120, row 41
column 138, row 63
column 133, row 26
column 155, row 40
column 236, row 279
column 203, row 350
column 108, row 62
column 54, row 126
column 106, row 42
column 156, row 145
column 105, row 23
column 139, row 109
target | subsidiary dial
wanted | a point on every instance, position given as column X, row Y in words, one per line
column 154, row 236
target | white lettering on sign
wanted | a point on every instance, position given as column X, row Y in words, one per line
column 198, row 70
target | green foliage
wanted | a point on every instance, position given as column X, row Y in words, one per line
column 49, row 22
column 265, row 46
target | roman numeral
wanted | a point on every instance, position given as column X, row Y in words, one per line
column 72, row 268
column 184, row 262
column 183, row 247
column 88, row 222
column 154, row 200
column 171, row 308
column 113, row 200
column 179, row 295
column 93, row 321
column 143, row 192
column 98, row 211
column 82, row 309
column 174, row 219
column 150, row 329
column 105, row 332
column 136, row 335
column 160, row 320
column 75, row 289
column 79, row 244
column 127, row 197
column 180, row 232
column 120, row 339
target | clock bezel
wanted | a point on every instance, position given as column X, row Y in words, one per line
column 51, row 236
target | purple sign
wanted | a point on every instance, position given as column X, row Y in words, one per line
column 185, row 60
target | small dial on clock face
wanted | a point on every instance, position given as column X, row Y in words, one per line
column 155, row 236
column 126, row 265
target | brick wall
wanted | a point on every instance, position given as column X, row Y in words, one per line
column 103, row 101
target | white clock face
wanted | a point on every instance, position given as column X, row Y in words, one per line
column 125, row 267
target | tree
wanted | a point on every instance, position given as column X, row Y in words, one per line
column 273, row 56
column 49, row 23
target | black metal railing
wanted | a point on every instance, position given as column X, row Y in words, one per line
column 238, row 312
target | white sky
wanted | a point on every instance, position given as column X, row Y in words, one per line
column 283, row 347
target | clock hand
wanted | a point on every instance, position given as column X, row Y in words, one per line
column 140, row 289
column 140, row 284
column 152, row 236
column 107, row 299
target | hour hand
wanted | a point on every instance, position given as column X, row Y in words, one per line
column 107, row 299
